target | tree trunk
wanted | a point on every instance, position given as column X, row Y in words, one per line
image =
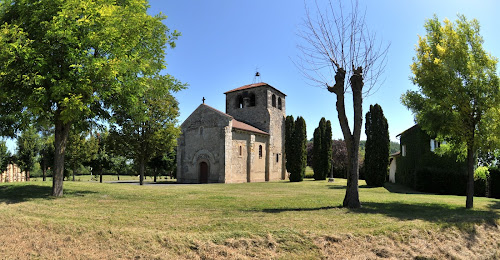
column 44, row 169
column 141, row 170
column 351, row 199
column 100, row 173
column 74, row 169
column 469, row 203
column 61, row 138
column 118, row 176
column 154, row 175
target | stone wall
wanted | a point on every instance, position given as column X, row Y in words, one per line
column 13, row 174
column 277, row 169
column 202, row 140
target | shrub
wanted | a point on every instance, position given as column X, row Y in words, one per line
column 481, row 175
column 494, row 183
column 437, row 180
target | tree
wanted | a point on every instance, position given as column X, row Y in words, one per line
column 316, row 158
column 338, row 41
column 377, row 146
column 458, row 89
column 4, row 156
column 46, row 158
column 28, row 145
column 322, row 150
column 71, row 61
column 80, row 150
column 299, row 153
column 289, row 130
column 149, row 129
column 339, row 158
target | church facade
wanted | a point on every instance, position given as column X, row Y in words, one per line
column 244, row 144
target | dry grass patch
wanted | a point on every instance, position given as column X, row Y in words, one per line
column 278, row 220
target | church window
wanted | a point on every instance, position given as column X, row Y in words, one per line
column 260, row 151
column 201, row 130
column 239, row 102
column 279, row 103
column 252, row 99
column 240, row 151
column 273, row 100
column 277, row 157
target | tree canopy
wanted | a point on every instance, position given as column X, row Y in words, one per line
column 458, row 88
column 377, row 146
column 67, row 61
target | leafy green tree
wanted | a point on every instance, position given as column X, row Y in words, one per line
column 79, row 150
column 377, row 146
column 99, row 148
column 149, row 129
column 289, row 143
column 458, row 88
column 4, row 156
column 28, row 146
column 46, row 158
column 71, row 61
column 298, row 170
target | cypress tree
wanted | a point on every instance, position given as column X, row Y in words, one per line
column 289, row 130
column 377, row 146
column 326, row 150
column 316, row 158
column 298, row 170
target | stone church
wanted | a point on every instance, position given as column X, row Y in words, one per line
column 245, row 144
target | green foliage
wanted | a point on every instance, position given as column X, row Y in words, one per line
column 377, row 147
column 322, row 149
column 289, row 130
column 394, row 147
column 494, row 183
column 28, row 146
column 339, row 156
column 299, row 153
column 148, row 130
column 4, row 156
column 458, row 97
column 63, row 62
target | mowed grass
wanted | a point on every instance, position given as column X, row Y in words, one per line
column 248, row 220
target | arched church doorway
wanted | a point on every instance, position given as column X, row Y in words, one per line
column 203, row 172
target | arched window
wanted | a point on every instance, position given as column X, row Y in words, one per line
column 279, row 103
column 241, row 151
column 252, row 99
column 239, row 102
column 273, row 100
column 260, row 151
column 277, row 157
column 201, row 130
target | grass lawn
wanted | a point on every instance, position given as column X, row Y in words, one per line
column 249, row 220
column 105, row 178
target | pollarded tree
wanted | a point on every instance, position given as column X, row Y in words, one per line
column 338, row 44
column 377, row 146
column 289, row 130
column 299, row 152
column 72, row 61
column 458, row 87
column 28, row 145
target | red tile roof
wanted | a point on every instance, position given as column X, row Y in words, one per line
column 237, row 124
column 254, row 85
column 242, row 126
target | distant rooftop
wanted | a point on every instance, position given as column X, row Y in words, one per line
column 254, row 85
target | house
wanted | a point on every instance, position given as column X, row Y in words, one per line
column 419, row 167
column 13, row 174
column 244, row 144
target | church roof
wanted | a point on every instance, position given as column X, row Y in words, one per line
column 254, row 85
column 237, row 124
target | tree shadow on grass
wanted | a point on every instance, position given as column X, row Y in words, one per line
column 343, row 187
column 398, row 188
column 11, row 194
column 443, row 214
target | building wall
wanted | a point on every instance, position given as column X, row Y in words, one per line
column 13, row 174
column 238, row 164
column 277, row 170
column 203, row 139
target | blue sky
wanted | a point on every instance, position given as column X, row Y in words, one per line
column 224, row 41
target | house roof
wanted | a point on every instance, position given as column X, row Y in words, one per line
column 254, row 85
column 237, row 124
column 246, row 127
column 407, row 130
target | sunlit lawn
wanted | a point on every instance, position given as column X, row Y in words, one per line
column 126, row 220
